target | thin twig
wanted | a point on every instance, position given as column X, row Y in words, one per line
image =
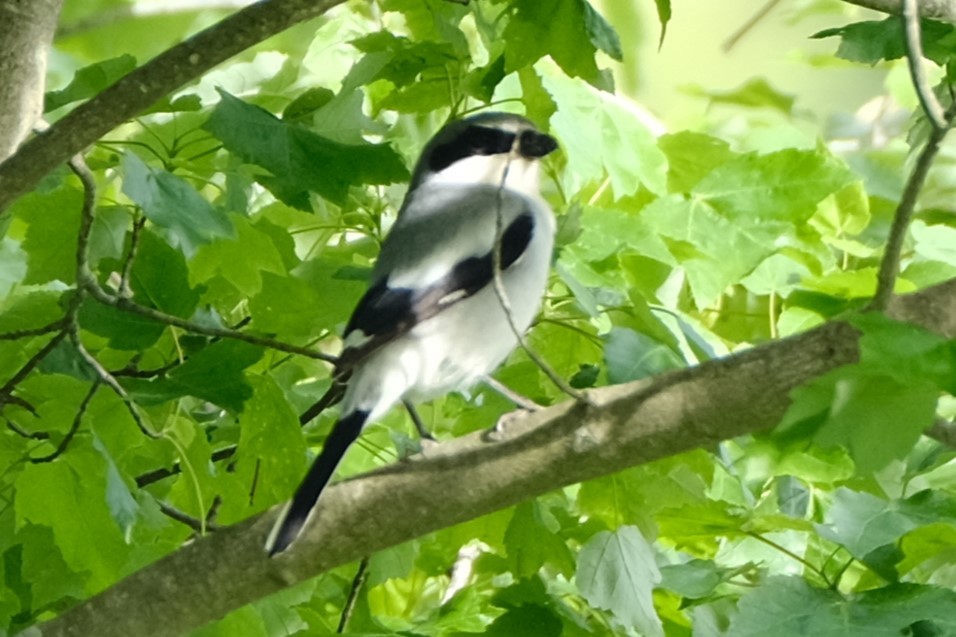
column 107, row 379
column 77, row 419
column 521, row 401
column 940, row 123
column 890, row 266
column 7, row 390
column 138, row 225
column 195, row 524
column 85, row 280
column 22, row 403
column 126, row 305
column 357, row 582
column 29, row 435
column 747, row 26
column 35, row 331
column 150, row 477
column 790, row 554
column 502, row 295
column 914, row 57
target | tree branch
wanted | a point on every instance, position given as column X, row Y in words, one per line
column 26, row 31
column 628, row 425
column 936, row 9
column 914, row 58
column 140, row 89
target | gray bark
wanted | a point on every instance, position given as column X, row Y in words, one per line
column 26, row 32
column 936, row 9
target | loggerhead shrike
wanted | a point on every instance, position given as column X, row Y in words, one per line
column 432, row 319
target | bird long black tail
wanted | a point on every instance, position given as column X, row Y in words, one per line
column 296, row 514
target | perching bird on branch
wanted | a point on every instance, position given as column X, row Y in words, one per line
column 460, row 275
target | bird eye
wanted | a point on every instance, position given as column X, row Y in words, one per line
column 489, row 141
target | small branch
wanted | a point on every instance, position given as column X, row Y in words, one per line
column 150, row 477
column 35, row 331
column 502, row 295
column 790, row 554
column 22, row 403
column 85, row 280
column 126, row 305
column 123, row 287
column 748, row 26
column 144, row 86
column 914, row 58
column 60, row 448
column 329, row 398
column 934, row 9
column 357, row 582
column 521, row 401
column 6, row 392
column 29, row 435
column 890, row 266
column 195, row 524
column 107, row 379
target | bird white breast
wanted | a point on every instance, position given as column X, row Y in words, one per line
column 458, row 347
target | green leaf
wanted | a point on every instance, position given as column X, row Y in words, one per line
column 877, row 418
column 531, row 541
column 691, row 156
column 13, row 265
column 602, row 35
column 714, row 251
column 559, row 29
column 785, row 185
column 215, row 373
column 630, row 355
column 795, row 609
column 600, row 136
column 863, row 523
column 616, row 572
column 755, row 93
column 271, row 446
column 242, row 260
column 90, row 80
column 125, row 330
column 336, row 284
column 159, row 277
column 68, row 497
column 528, row 620
column 872, row 41
column 299, row 160
column 694, row 579
column 663, row 16
column 123, row 507
column 26, row 311
column 53, row 224
column 171, row 203
column 289, row 306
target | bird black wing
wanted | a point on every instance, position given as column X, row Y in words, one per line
column 385, row 312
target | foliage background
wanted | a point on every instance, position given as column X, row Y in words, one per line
column 707, row 207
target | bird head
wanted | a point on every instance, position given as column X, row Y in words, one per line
column 488, row 148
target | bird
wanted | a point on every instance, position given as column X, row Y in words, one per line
column 460, row 275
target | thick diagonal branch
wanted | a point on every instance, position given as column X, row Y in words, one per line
column 627, row 425
column 140, row 89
